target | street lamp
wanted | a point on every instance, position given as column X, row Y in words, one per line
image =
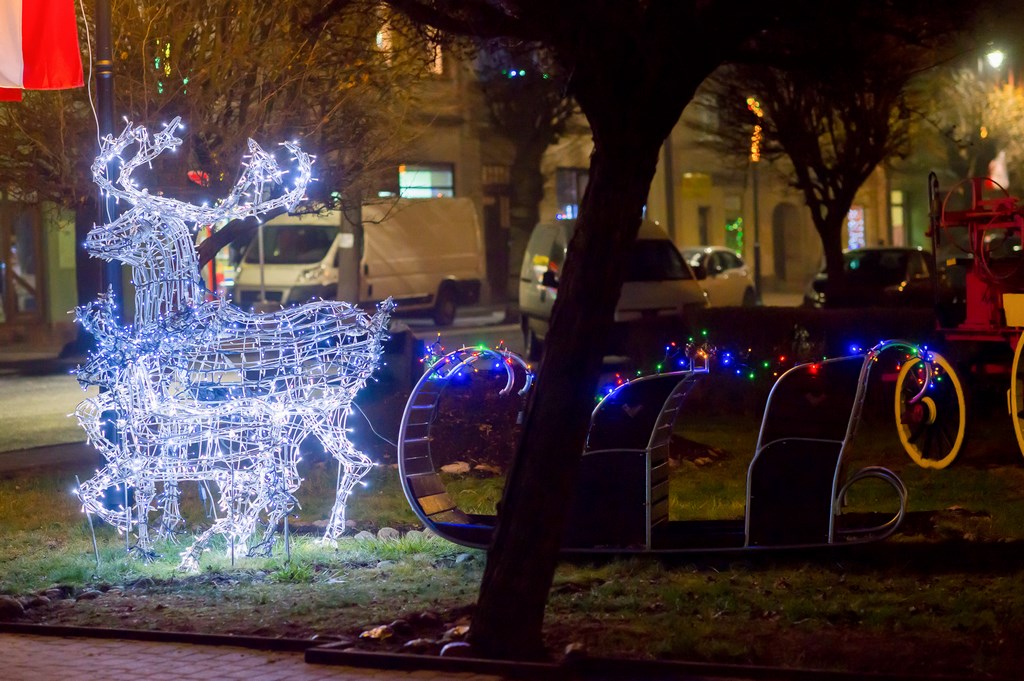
column 756, row 139
column 995, row 58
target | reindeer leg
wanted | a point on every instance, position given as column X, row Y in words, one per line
column 190, row 556
column 280, row 502
column 145, row 492
column 171, row 522
column 92, row 491
column 353, row 466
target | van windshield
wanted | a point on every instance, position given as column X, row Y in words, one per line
column 292, row 244
column 656, row 260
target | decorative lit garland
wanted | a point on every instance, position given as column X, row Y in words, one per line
column 757, row 136
column 698, row 354
column 199, row 390
column 692, row 356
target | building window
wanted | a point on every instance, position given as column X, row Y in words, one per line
column 495, row 175
column 734, row 234
column 897, row 215
column 384, row 42
column 435, row 62
column 426, row 180
column 570, row 183
column 704, row 224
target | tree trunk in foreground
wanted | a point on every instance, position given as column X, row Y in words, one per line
column 633, row 66
column 510, row 609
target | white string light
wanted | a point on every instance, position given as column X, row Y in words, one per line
column 199, row 390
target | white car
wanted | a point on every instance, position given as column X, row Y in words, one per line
column 658, row 284
column 722, row 274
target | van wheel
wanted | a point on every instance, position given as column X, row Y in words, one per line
column 749, row 298
column 444, row 308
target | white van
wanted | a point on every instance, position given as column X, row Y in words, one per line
column 659, row 285
column 427, row 254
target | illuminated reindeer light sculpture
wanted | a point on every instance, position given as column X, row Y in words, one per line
column 199, row 390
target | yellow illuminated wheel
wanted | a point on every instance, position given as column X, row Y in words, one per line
column 1016, row 404
column 931, row 425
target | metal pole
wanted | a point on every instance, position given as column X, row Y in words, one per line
column 757, row 237
column 105, row 113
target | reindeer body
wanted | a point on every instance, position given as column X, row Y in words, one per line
column 199, row 390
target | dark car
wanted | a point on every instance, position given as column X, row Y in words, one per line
column 879, row 276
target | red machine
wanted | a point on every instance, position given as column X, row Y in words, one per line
column 976, row 231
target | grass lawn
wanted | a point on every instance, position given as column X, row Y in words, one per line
column 941, row 597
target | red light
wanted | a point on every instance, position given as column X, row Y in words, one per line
column 199, row 177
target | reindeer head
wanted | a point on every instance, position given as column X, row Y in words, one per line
column 123, row 238
column 154, row 218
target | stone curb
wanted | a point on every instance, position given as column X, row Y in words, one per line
column 331, row 655
column 584, row 667
column 253, row 642
column 574, row 667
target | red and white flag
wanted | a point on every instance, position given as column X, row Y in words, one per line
column 38, row 47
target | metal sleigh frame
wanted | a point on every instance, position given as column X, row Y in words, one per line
column 795, row 483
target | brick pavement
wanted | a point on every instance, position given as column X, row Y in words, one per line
column 46, row 658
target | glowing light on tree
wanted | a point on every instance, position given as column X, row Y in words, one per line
column 757, row 137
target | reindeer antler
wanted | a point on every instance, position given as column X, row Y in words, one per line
column 243, row 200
column 261, row 169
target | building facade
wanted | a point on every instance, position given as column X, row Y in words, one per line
column 698, row 197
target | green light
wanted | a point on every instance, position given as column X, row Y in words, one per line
column 704, row 332
column 751, row 375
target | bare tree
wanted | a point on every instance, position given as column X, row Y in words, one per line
column 527, row 98
column 968, row 118
column 833, row 104
column 232, row 69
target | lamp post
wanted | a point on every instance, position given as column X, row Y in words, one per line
column 755, row 158
column 105, row 115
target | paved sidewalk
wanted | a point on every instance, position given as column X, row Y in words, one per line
column 46, row 658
